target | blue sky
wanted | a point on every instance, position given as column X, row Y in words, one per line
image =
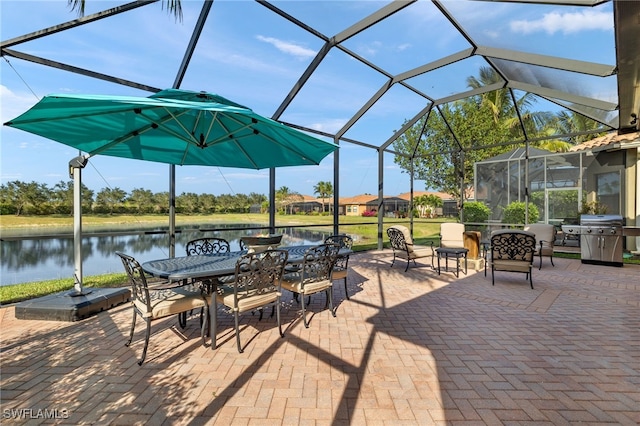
column 254, row 57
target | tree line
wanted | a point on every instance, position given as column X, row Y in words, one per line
column 33, row 198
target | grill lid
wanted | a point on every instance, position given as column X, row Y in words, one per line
column 600, row 220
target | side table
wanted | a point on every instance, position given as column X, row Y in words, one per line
column 457, row 254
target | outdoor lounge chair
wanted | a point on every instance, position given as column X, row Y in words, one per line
column 545, row 240
column 512, row 250
column 452, row 235
column 159, row 301
column 341, row 267
column 403, row 247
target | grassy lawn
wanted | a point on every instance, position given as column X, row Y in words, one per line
column 364, row 228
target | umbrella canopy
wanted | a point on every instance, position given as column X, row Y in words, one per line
column 174, row 127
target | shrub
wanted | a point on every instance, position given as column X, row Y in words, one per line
column 593, row 207
column 475, row 211
column 515, row 213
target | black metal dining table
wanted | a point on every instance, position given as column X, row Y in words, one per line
column 212, row 267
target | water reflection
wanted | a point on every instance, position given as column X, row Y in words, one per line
column 51, row 258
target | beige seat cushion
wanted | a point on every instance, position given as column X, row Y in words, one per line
column 338, row 273
column 511, row 265
column 171, row 301
column 248, row 301
column 295, row 286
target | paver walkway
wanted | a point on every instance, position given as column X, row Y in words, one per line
column 407, row 349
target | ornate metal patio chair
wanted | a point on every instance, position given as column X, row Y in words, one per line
column 208, row 245
column 545, row 240
column 159, row 301
column 256, row 285
column 341, row 267
column 403, row 247
column 313, row 276
column 512, row 250
column 204, row 246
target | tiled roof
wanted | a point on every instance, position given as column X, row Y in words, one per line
column 366, row 198
column 407, row 195
column 358, row 199
column 608, row 141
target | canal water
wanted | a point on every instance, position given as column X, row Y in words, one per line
column 43, row 258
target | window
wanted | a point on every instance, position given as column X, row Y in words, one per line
column 608, row 191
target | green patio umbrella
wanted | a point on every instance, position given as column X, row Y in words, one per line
column 174, row 127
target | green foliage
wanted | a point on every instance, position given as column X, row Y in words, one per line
column 426, row 205
column 475, row 211
column 20, row 198
column 19, row 292
column 323, row 189
column 593, row 207
column 515, row 213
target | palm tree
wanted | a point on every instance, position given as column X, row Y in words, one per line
column 173, row 6
column 501, row 104
column 323, row 189
column 573, row 122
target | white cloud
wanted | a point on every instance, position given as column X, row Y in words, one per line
column 288, row 47
column 329, row 126
column 14, row 104
column 566, row 23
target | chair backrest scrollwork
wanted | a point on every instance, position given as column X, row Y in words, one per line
column 137, row 279
column 513, row 245
column 210, row 245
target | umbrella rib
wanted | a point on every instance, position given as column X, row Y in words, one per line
column 159, row 123
column 226, row 137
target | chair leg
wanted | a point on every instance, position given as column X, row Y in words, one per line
column 277, row 308
column 304, row 315
column 213, row 321
column 551, row 258
column 540, row 267
column 330, row 297
column 237, row 321
column 531, row 280
column 182, row 320
column 204, row 315
column 346, row 292
column 394, row 259
column 493, row 281
column 407, row 268
column 133, row 327
column 146, row 341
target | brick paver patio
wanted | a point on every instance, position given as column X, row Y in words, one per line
column 408, row 348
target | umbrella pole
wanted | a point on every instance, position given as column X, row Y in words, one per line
column 172, row 211
column 75, row 170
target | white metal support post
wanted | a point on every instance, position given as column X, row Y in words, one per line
column 75, row 171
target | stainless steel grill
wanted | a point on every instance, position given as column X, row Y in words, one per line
column 600, row 238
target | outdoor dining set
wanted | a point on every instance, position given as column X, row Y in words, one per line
column 248, row 280
column 254, row 278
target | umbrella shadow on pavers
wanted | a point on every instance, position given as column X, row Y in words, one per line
column 82, row 371
column 464, row 350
